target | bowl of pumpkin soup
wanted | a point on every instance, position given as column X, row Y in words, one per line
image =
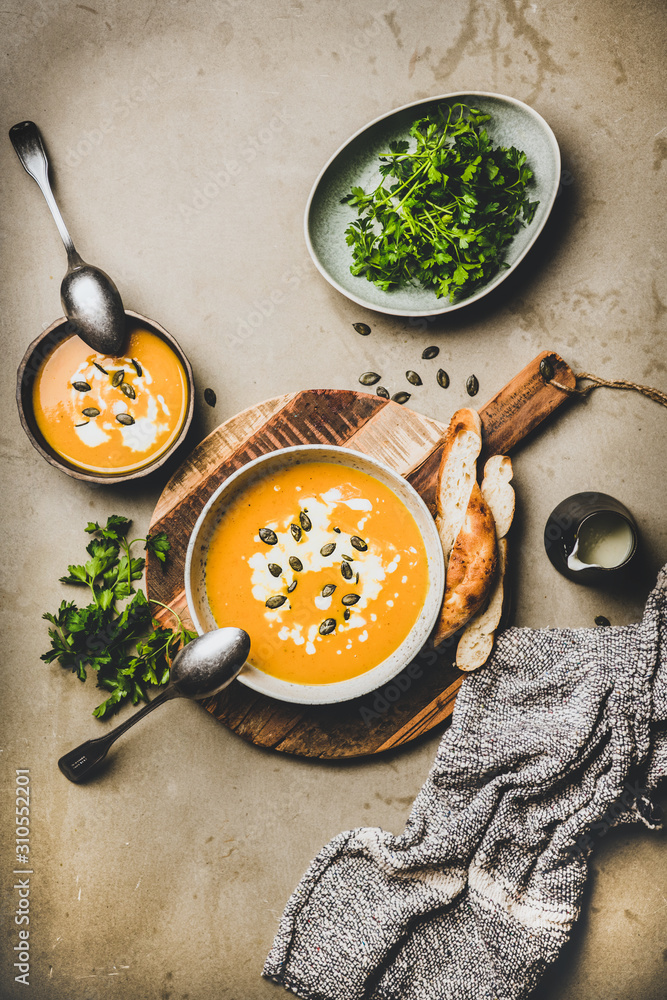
column 330, row 561
column 101, row 418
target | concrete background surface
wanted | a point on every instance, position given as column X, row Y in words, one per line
column 166, row 877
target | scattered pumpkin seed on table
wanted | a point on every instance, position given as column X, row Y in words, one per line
column 362, row 328
column 430, row 352
column 381, row 391
column 472, row 385
column 210, row 397
column 413, row 378
column 401, row 397
column 369, row 378
column 442, row 378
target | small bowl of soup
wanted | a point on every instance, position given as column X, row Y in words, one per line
column 100, row 418
column 329, row 560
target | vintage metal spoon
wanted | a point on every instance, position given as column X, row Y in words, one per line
column 201, row 669
column 89, row 297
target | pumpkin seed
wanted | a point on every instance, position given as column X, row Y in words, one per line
column 137, row 367
column 103, row 370
column 358, row 543
column 328, row 589
column 472, row 385
column 327, row 549
column 546, row 369
column 125, row 419
column 296, row 532
column 84, row 424
column 369, row 378
column 81, row 386
column 413, row 378
column 275, row 602
column 401, row 397
column 268, row 536
column 118, row 377
column 442, row 378
column 296, row 564
column 91, row 411
column 305, row 521
column 337, row 530
column 346, row 614
column 600, row 620
column 275, row 569
column 430, row 352
column 349, row 558
column 327, row 626
column 292, row 586
column 350, row 599
column 362, row 328
column 382, row 392
column 128, row 390
column 346, row 570
column 210, row 397
column 357, row 579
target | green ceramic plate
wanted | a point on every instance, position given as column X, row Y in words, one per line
column 512, row 123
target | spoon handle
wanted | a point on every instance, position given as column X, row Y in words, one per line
column 80, row 763
column 27, row 141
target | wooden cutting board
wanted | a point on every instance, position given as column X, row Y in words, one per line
column 423, row 695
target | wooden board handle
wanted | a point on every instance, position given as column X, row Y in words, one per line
column 522, row 404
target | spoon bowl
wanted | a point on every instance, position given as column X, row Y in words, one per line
column 199, row 670
column 89, row 297
column 93, row 305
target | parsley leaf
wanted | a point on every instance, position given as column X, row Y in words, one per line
column 128, row 650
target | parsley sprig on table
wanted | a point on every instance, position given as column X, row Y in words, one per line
column 455, row 203
column 127, row 648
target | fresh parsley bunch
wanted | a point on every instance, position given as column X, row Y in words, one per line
column 445, row 219
column 127, row 648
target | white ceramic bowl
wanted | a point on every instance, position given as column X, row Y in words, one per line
column 214, row 512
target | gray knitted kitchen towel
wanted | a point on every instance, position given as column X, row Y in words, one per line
column 561, row 735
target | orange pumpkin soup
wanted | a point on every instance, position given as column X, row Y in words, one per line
column 106, row 414
column 323, row 566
